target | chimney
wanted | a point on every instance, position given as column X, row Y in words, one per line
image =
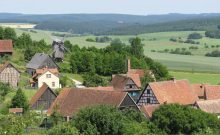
column 129, row 65
column 173, row 79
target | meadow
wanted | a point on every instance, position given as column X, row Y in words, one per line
column 196, row 62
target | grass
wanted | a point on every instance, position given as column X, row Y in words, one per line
column 207, row 78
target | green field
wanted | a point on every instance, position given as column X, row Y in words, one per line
column 196, row 62
column 206, row 78
column 158, row 42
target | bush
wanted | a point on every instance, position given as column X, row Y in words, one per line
column 94, row 80
column 213, row 34
column 20, row 100
column 63, row 129
column 177, row 119
column 195, row 36
column 90, row 40
column 215, row 53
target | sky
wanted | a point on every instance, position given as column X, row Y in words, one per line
column 136, row 7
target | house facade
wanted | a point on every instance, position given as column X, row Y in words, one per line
column 9, row 74
column 6, row 47
column 126, row 83
column 165, row 92
column 38, row 61
column 43, row 99
column 50, row 79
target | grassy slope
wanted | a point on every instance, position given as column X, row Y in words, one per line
column 195, row 63
column 197, row 77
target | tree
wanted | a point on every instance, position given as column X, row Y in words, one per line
column 195, row 36
column 4, row 90
column 106, row 119
column 94, row 80
column 24, row 41
column 63, row 81
column 1, row 33
column 177, row 119
column 20, row 100
column 28, row 53
column 63, row 129
column 10, row 33
column 137, row 47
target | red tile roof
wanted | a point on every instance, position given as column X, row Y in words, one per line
column 6, row 46
column 39, row 93
column 175, row 91
column 108, row 88
column 149, row 109
column 199, row 89
column 210, row 106
column 15, row 110
column 212, row 92
column 71, row 100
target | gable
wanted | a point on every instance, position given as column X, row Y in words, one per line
column 45, row 74
column 128, row 102
column 146, row 95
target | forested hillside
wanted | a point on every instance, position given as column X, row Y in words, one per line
column 118, row 24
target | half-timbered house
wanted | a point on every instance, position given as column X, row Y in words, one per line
column 43, row 99
column 9, row 74
column 127, row 83
column 71, row 100
column 173, row 91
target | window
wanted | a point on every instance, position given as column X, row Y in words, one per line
column 148, row 91
column 130, row 86
column 53, row 84
column 48, row 75
column 148, row 100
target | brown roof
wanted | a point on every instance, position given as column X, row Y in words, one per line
column 6, row 64
column 71, row 100
column 149, row 109
column 6, row 46
column 43, row 70
column 210, row 106
column 15, row 110
column 174, row 91
column 39, row 93
column 199, row 89
column 119, row 81
column 140, row 72
column 108, row 88
column 212, row 92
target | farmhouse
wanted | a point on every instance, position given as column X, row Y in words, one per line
column 58, row 50
column 210, row 106
column 71, row 100
column 127, row 83
column 173, row 91
column 9, row 74
column 6, row 47
column 43, row 99
column 39, row 61
column 39, row 72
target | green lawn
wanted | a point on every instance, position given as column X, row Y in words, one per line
column 206, row 78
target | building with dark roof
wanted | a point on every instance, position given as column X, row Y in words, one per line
column 39, row 61
column 58, row 50
column 43, row 98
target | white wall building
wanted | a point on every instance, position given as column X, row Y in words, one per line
column 50, row 79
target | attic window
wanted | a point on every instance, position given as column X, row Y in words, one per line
column 48, row 75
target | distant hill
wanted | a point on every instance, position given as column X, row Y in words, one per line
column 106, row 23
